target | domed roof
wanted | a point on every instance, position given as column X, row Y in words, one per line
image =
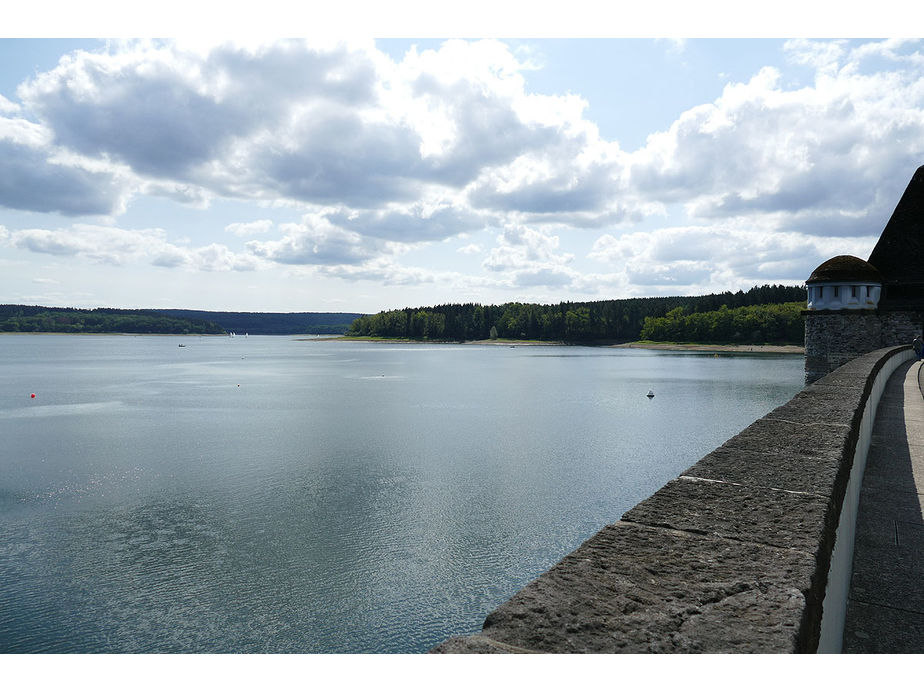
column 845, row 268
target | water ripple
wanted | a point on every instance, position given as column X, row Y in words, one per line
column 326, row 514
column 44, row 410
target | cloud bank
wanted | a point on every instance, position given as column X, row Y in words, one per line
column 380, row 155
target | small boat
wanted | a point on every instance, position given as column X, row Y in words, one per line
column 650, row 394
column 181, row 345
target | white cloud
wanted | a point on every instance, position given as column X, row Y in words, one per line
column 341, row 125
column 35, row 176
column 562, row 181
column 717, row 256
column 317, row 242
column 218, row 258
column 421, row 221
column 385, row 271
column 166, row 110
column 543, row 276
column 184, row 193
column 818, row 156
column 821, row 55
column 527, row 257
column 522, row 248
column 7, row 106
column 115, row 246
column 344, row 126
column 383, row 156
column 250, row 228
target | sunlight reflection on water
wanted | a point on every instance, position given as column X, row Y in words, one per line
column 264, row 495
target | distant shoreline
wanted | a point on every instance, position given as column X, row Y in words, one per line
column 661, row 346
column 657, row 346
column 738, row 348
column 116, row 334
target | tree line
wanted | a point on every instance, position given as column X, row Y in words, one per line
column 17, row 318
column 270, row 323
column 617, row 320
column 780, row 323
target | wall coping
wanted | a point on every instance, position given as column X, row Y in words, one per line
column 746, row 551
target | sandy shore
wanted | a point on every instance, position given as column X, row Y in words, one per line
column 755, row 348
column 737, row 348
column 487, row 342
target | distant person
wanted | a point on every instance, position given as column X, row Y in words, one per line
column 918, row 346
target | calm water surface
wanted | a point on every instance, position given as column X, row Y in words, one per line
column 273, row 495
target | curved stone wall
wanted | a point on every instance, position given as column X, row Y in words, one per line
column 734, row 555
column 834, row 337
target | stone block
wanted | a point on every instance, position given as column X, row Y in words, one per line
column 743, row 513
column 823, row 404
column 638, row 589
column 793, row 471
column 783, row 454
column 732, row 556
column 855, row 371
column 784, row 437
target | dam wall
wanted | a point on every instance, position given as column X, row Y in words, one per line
column 834, row 337
column 748, row 551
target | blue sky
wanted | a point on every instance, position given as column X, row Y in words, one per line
column 362, row 175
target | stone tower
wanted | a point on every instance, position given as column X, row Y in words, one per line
column 856, row 306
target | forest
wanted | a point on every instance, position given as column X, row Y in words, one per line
column 777, row 323
column 614, row 321
column 16, row 318
column 271, row 323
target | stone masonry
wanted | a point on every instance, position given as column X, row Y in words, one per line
column 731, row 556
column 834, row 337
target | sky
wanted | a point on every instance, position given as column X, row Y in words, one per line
column 348, row 173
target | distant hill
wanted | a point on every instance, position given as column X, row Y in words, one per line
column 270, row 323
column 19, row 318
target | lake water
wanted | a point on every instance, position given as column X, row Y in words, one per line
column 265, row 494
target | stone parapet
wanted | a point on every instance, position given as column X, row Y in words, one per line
column 834, row 337
column 734, row 555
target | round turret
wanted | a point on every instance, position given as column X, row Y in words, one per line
column 844, row 282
